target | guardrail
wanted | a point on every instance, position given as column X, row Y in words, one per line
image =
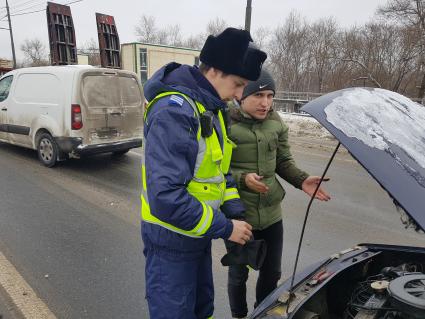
column 287, row 95
column 291, row 102
column 301, row 114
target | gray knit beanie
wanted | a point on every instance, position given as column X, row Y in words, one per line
column 264, row 82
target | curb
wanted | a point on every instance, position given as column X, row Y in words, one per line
column 22, row 297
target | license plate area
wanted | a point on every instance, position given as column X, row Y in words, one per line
column 105, row 133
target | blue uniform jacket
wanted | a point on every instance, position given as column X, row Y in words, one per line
column 171, row 148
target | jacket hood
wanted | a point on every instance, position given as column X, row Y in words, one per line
column 185, row 79
column 384, row 132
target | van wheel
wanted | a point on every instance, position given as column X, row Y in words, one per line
column 47, row 150
column 120, row 153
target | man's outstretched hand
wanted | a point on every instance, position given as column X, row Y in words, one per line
column 253, row 182
column 309, row 186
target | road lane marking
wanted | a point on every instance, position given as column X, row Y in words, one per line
column 20, row 292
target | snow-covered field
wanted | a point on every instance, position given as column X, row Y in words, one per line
column 304, row 126
column 307, row 133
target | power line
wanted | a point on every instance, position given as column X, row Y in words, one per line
column 21, row 4
column 24, row 13
column 23, row 9
column 18, row 5
column 65, row 4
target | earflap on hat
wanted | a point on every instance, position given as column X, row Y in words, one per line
column 253, row 62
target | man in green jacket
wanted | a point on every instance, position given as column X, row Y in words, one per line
column 262, row 152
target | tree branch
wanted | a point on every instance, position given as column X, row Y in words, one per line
column 369, row 75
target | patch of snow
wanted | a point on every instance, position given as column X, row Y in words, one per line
column 381, row 118
column 304, row 126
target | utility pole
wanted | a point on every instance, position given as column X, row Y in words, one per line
column 11, row 36
column 248, row 15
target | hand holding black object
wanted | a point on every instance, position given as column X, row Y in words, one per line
column 251, row 254
column 241, row 232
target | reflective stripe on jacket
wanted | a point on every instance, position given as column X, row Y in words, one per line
column 208, row 184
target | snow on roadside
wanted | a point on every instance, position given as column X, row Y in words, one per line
column 304, row 126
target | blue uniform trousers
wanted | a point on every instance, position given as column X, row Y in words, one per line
column 179, row 285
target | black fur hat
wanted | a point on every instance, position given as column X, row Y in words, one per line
column 230, row 52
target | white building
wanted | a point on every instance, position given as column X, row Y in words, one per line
column 145, row 59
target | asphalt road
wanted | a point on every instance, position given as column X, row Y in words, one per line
column 73, row 231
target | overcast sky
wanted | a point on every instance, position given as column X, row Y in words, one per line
column 191, row 15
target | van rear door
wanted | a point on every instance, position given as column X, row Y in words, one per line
column 112, row 106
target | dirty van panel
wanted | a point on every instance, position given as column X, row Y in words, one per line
column 36, row 103
column 112, row 103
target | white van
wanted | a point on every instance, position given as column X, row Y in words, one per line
column 69, row 111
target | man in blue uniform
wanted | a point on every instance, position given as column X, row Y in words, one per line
column 188, row 196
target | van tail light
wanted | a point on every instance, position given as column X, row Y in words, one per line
column 76, row 117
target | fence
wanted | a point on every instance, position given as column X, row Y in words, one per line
column 291, row 102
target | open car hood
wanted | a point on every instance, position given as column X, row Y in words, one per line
column 385, row 132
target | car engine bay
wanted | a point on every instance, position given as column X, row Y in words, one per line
column 390, row 285
column 395, row 293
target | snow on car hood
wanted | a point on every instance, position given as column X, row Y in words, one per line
column 385, row 132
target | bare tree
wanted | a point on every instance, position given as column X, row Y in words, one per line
column 410, row 13
column 289, row 53
column 323, row 41
column 194, row 41
column 174, row 35
column 386, row 54
column 35, row 52
column 161, row 37
column 261, row 37
column 91, row 48
column 357, row 52
column 321, row 57
column 216, row 26
column 146, row 30
column 407, row 12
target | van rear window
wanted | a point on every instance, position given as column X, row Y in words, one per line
column 111, row 91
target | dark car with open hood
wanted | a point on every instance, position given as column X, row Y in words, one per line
column 385, row 132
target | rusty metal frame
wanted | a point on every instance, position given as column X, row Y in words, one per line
column 63, row 49
column 109, row 42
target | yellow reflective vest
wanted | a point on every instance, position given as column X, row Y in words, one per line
column 208, row 184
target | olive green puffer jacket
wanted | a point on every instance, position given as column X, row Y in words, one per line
column 262, row 148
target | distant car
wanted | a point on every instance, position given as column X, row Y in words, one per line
column 69, row 111
column 385, row 132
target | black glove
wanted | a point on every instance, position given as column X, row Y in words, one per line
column 251, row 254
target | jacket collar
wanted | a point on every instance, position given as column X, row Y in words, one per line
column 187, row 80
column 239, row 115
